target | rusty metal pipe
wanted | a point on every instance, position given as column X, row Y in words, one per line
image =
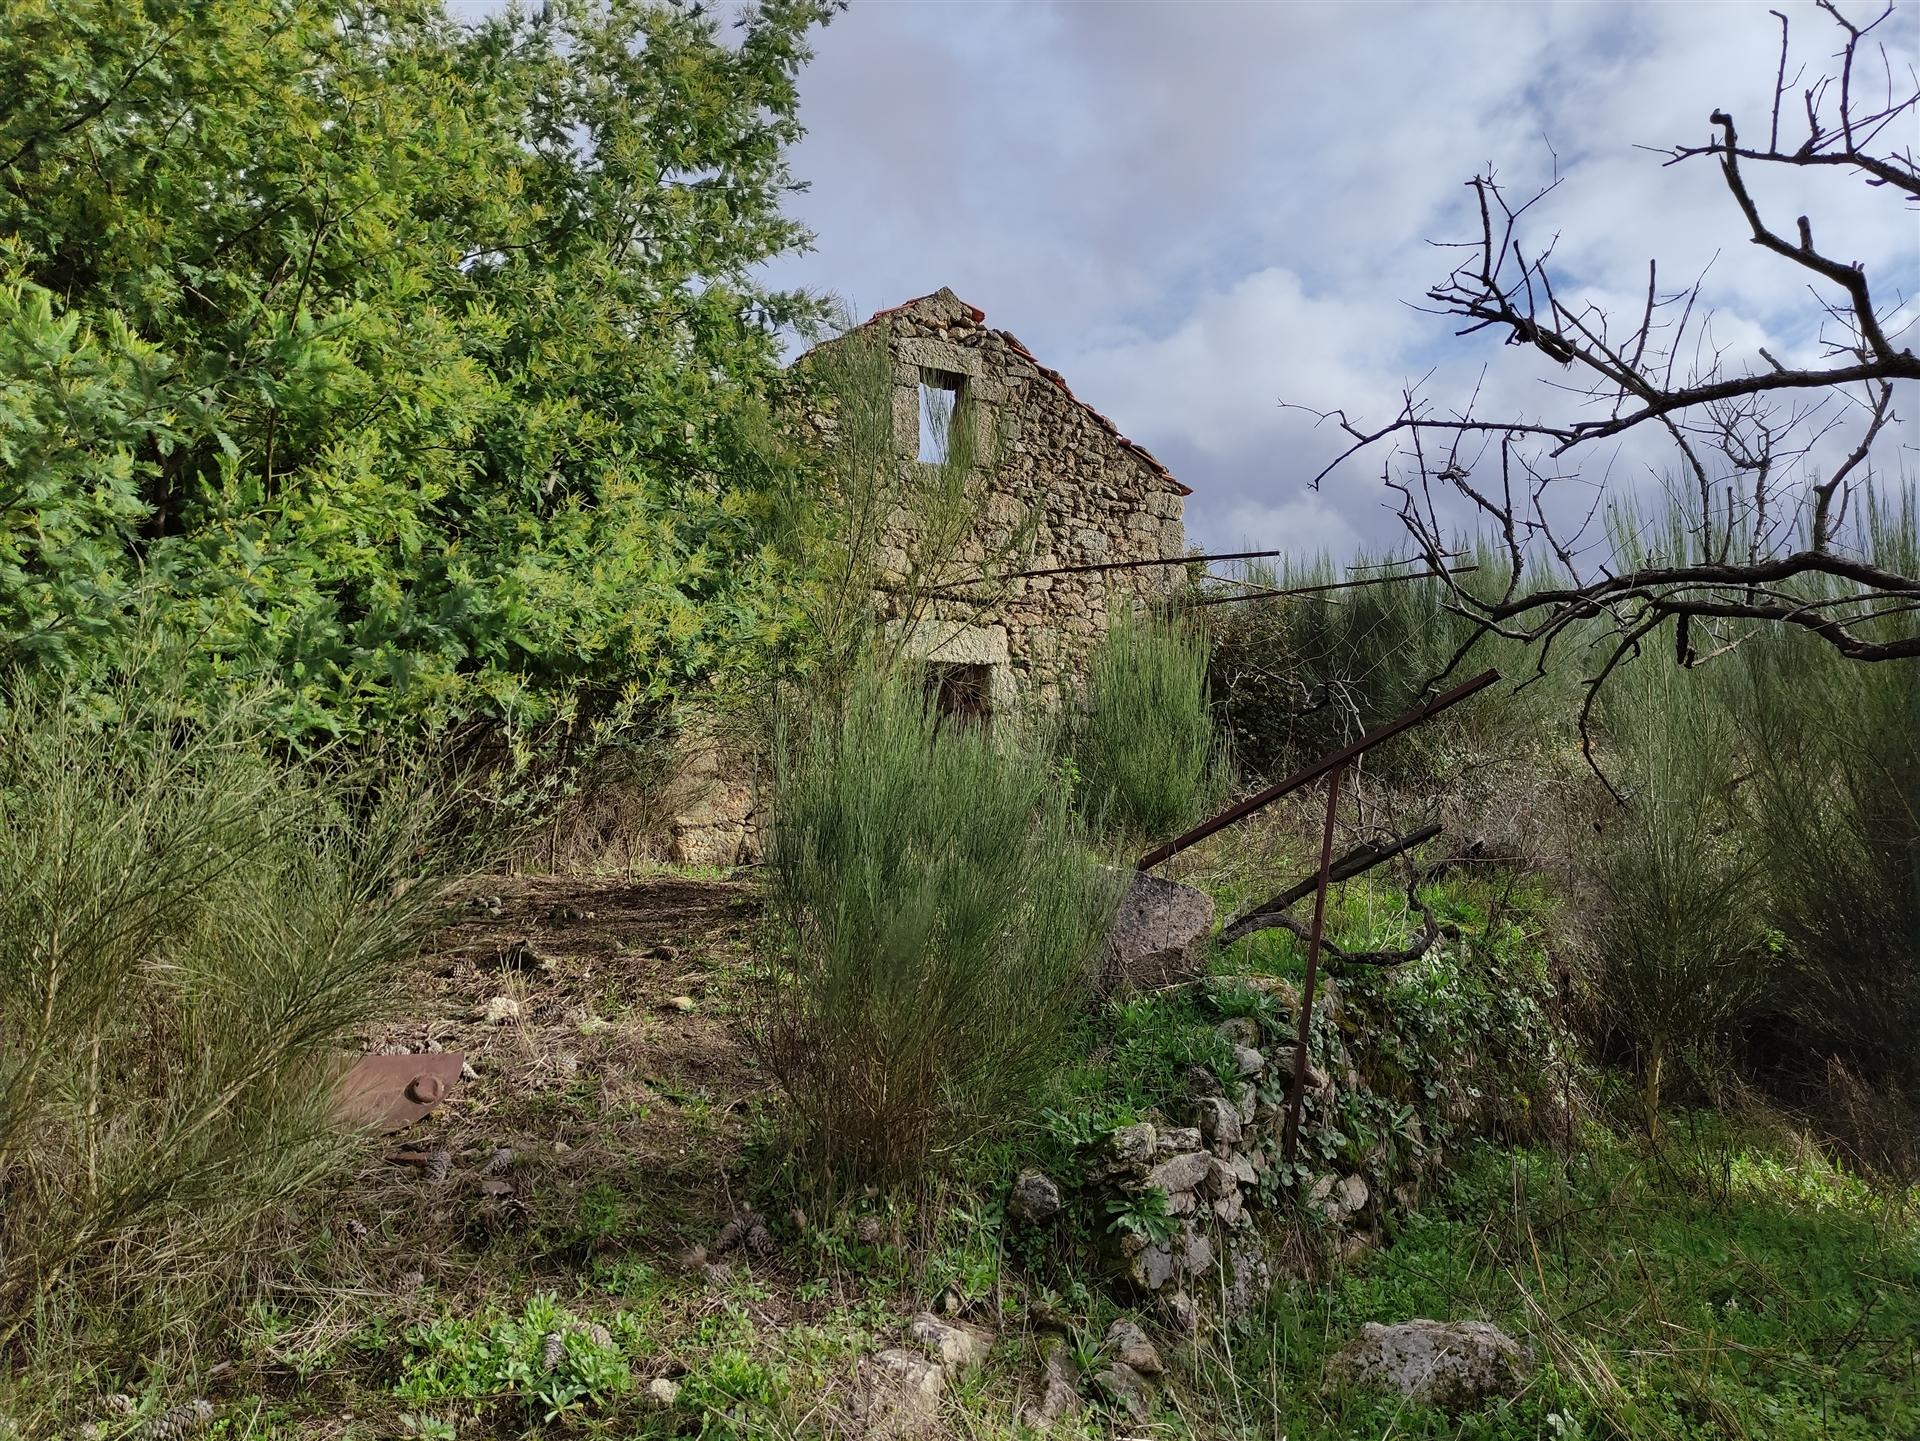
column 1242, row 809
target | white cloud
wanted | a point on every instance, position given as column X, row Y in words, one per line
column 1196, row 210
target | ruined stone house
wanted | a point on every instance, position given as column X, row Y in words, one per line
column 1058, row 478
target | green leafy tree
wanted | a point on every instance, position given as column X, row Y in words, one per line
column 417, row 364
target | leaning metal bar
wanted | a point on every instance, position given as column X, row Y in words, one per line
column 1112, row 565
column 1291, row 1134
column 1268, row 593
column 1299, row 778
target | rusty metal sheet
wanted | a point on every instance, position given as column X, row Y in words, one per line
column 390, row 1093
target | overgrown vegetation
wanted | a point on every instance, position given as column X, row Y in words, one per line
column 1732, row 1283
column 407, row 375
column 941, row 912
column 1146, row 757
column 415, row 363
column 1736, row 827
column 1295, row 677
column 191, row 931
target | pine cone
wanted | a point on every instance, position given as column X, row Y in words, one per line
column 179, row 1424
column 599, row 1335
column 438, row 1166
column 553, row 1350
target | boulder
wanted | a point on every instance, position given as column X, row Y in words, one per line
column 1449, row 1364
column 1160, row 937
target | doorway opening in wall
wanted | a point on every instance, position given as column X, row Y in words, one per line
column 961, row 692
column 939, row 403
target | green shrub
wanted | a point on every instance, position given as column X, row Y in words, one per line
column 1141, row 739
column 1293, row 677
column 190, row 931
column 541, row 1363
column 942, row 912
column 1833, row 809
column 1680, row 943
column 327, row 331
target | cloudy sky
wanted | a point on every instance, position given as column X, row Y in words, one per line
column 1197, row 210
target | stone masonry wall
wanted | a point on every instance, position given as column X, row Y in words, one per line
column 1056, row 475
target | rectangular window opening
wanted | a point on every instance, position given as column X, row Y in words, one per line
column 961, row 692
column 939, row 403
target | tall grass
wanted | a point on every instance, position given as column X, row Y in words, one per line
column 1141, row 737
column 1293, row 677
column 191, row 929
column 1680, row 945
column 942, row 913
column 1760, row 892
column 1833, row 808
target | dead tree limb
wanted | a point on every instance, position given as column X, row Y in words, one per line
column 1767, row 456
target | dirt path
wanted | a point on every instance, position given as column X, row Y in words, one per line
column 610, row 1088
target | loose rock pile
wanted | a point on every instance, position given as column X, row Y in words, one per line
column 1218, row 1175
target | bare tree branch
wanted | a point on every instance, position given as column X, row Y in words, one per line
column 1769, row 503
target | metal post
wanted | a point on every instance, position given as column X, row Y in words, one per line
column 1290, row 1136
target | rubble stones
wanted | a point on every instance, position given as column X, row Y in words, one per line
column 1196, row 1251
column 1249, row 1278
column 1059, row 1387
column 1180, row 1173
column 1126, row 1390
column 1219, row 1121
column 1176, row 1139
column 1179, row 1314
column 1035, row 1197
column 1239, row 1031
column 1131, row 1145
column 1151, row 1267
column 1129, row 1345
column 1449, row 1364
column 897, row 1393
column 1352, row 1195
column 1202, row 1082
column 954, row 1344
